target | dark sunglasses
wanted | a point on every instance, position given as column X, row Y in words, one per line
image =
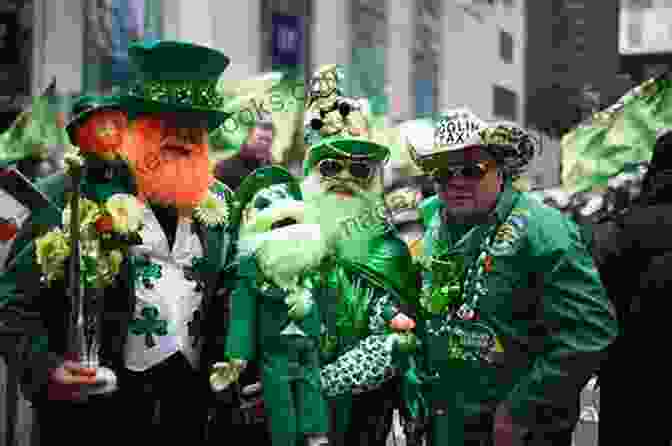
column 343, row 108
column 474, row 171
column 358, row 169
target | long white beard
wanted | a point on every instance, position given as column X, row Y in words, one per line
column 284, row 254
column 347, row 224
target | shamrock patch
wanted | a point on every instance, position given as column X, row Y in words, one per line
column 149, row 325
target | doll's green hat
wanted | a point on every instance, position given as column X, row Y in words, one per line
column 260, row 179
column 339, row 147
column 176, row 76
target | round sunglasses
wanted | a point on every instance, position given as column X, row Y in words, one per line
column 358, row 169
column 475, row 171
column 343, row 108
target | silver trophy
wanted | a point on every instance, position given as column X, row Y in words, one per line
column 84, row 324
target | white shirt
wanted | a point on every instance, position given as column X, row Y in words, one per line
column 175, row 297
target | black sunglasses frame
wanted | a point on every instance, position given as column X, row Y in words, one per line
column 349, row 165
column 476, row 171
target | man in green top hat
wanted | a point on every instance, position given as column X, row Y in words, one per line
column 162, row 322
column 371, row 277
column 515, row 315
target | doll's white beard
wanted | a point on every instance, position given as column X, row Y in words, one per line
column 285, row 253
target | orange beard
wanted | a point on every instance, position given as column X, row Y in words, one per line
column 166, row 178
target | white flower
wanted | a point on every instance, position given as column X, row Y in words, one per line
column 212, row 211
column 126, row 213
column 72, row 159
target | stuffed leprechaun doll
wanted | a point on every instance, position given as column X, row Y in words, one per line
column 145, row 178
column 274, row 319
column 372, row 276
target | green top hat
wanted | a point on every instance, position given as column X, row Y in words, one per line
column 339, row 147
column 176, row 77
column 260, row 179
column 84, row 106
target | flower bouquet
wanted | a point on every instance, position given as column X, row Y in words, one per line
column 86, row 254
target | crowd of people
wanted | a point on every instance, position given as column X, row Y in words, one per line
column 243, row 302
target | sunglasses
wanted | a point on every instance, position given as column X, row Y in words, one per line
column 343, row 108
column 475, row 171
column 358, row 169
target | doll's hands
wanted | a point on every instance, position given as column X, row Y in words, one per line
column 223, row 374
column 299, row 304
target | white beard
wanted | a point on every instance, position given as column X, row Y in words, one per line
column 284, row 254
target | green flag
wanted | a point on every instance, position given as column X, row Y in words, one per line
column 617, row 137
column 34, row 131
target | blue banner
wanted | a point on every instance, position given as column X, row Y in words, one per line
column 287, row 40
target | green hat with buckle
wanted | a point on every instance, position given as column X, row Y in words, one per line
column 176, row 77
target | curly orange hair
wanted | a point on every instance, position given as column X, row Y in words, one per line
column 102, row 132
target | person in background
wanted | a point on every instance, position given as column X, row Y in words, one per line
column 253, row 154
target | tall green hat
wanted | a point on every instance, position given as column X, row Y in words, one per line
column 176, row 77
column 85, row 105
column 339, row 147
column 260, row 179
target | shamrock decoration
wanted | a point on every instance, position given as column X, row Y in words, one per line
column 149, row 325
column 147, row 270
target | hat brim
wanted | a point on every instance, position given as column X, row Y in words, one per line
column 260, row 179
column 353, row 148
column 135, row 106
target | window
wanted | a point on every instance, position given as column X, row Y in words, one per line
column 635, row 35
column 505, row 103
column 286, row 36
column 506, row 46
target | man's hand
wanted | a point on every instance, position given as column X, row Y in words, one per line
column 65, row 381
column 224, row 374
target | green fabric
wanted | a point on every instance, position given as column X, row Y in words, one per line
column 290, row 364
column 548, row 269
column 623, row 134
column 338, row 147
column 164, row 86
column 259, row 314
column 389, row 266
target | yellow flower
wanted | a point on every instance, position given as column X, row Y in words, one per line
column 88, row 214
column 52, row 250
column 212, row 211
column 126, row 212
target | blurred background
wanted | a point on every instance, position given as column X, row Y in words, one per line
column 545, row 65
